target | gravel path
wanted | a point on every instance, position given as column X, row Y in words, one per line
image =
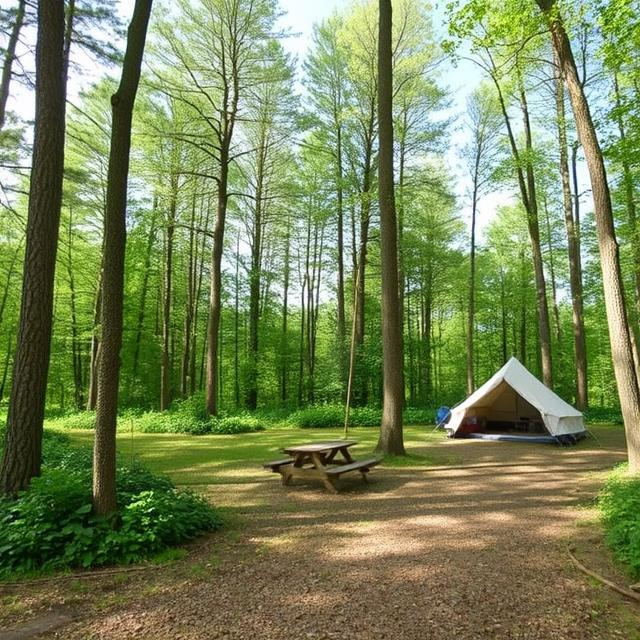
column 468, row 551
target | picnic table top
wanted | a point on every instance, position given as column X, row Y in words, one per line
column 317, row 447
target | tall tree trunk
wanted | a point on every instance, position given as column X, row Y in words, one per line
column 189, row 306
column 340, row 248
column 523, row 310
column 7, row 364
column 542, row 306
column 215, row 305
column 365, row 217
column 528, row 195
column 23, row 443
column 145, row 289
column 251, row 400
column 115, row 237
column 552, row 272
column 236, row 327
column 284, row 348
column 575, row 266
column 169, row 232
column 9, row 57
column 619, row 334
column 76, row 356
column 94, row 347
column 630, row 203
column 391, row 440
column 5, row 293
column 400, row 215
column 196, row 313
column 472, row 277
column 503, row 316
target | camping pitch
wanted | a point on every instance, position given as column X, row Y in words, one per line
column 515, row 405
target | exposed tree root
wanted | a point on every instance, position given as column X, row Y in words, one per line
column 627, row 593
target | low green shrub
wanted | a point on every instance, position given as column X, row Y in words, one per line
column 364, row 416
column 603, row 415
column 52, row 526
column 418, row 416
column 619, row 504
column 79, row 420
column 242, row 423
column 317, row 417
column 190, row 417
column 332, row 415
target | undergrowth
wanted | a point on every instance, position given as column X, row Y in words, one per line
column 51, row 526
column 619, row 505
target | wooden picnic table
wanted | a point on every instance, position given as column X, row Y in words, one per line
column 324, row 461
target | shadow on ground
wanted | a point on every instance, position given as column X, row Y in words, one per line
column 473, row 550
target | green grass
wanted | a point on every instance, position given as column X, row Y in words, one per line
column 210, row 459
column 214, row 459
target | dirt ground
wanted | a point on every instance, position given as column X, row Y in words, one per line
column 473, row 550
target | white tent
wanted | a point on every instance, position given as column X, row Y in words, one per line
column 514, row 400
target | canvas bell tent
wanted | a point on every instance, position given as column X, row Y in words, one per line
column 515, row 405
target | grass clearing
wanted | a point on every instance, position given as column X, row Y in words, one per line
column 214, row 459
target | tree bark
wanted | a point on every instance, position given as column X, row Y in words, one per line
column 94, row 347
column 7, row 364
column 23, row 444
column 251, row 399
column 619, row 334
column 391, row 440
column 189, row 310
column 122, row 102
column 145, row 289
column 9, row 57
column 169, row 232
column 7, row 287
column 215, row 307
column 284, row 348
column 340, row 249
column 236, row 327
column 552, row 272
column 575, row 266
column 472, row 277
column 76, row 355
column 627, row 178
column 544, row 328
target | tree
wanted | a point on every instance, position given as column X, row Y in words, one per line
column 484, row 124
column 325, row 70
column 122, row 102
column 23, row 447
column 499, row 42
column 619, row 331
column 391, row 440
column 211, row 60
column 9, row 58
column 573, row 242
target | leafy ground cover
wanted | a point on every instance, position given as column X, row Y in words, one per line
column 213, row 459
column 619, row 505
column 51, row 525
column 190, row 418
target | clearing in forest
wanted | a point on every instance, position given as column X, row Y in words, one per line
column 469, row 549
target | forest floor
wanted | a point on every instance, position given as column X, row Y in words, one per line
column 469, row 542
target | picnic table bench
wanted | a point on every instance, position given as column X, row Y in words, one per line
column 324, row 461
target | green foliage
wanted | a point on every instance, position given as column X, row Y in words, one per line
column 68, row 420
column 242, row 423
column 603, row 415
column 332, row 415
column 620, row 511
column 51, row 525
